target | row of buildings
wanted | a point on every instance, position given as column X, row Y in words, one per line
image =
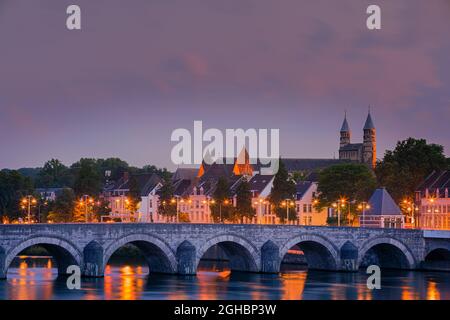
column 194, row 188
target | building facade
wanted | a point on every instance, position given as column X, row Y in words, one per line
column 365, row 152
column 382, row 212
column 116, row 194
column 433, row 201
column 307, row 214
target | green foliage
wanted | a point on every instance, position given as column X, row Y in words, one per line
column 283, row 188
column 403, row 169
column 167, row 207
column 299, row 176
column 350, row 181
column 222, row 208
column 134, row 195
column 88, row 180
column 116, row 166
column 100, row 208
column 54, row 174
column 244, row 202
column 62, row 209
column 162, row 173
column 13, row 187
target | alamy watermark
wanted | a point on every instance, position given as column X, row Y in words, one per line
column 374, row 280
column 74, row 279
column 262, row 147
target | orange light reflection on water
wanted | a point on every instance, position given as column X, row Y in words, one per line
column 432, row 291
column 127, row 284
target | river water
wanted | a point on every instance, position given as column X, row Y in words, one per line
column 37, row 278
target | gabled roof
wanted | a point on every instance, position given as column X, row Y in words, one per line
column 145, row 181
column 185, row 173
column 309, row 164
column 301, row 188
column 182, row 187
column 381, row 203
column 369, row 123
column 259, row 182
column 436, row 180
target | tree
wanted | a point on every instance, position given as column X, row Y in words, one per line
column 221, row 208
column 54, row 174
column 167, row 207
column 402, row 170
column 299, row 175
column 100, row 208
column 88, row 181
column 13, row 187
column 283, row 188
column 244, row 202
column 62, row 209
column 115, row 166
column 162, row 173
column 134, row 195
column 349, row 181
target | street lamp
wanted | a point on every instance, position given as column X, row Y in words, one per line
column 412, row 209
column 86, row 200
column 288, row 203
column 177, row 200
column 363, row 206
column 39, row 210
column 339, row 204
column 260, row 202
column 28, row 201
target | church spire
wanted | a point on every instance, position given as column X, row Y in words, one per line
column 369, row 123
column 345, row 127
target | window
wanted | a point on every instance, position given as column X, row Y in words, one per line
column 309, row 208
column 305, row 208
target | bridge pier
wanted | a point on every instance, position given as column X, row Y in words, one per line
column 186, row 259
column 93, row 260
column 349, row 257
column 270, row 258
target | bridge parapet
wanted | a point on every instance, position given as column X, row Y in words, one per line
column 178, row 248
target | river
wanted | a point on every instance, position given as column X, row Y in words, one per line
column 37, row 278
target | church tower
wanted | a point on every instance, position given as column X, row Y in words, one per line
column 345, row 133
column 369, row 142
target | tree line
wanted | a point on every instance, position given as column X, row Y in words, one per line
column 84, row 177
column 400, row 171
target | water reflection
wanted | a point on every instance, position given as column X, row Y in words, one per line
column 37, row 278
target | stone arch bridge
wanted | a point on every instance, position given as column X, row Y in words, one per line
column 178, row 248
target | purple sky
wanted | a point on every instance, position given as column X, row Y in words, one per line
column 142, row 68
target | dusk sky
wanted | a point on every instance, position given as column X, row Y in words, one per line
column 139, row 69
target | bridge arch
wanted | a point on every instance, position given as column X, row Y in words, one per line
column 320, row 253
column 243, row 255
column 64, row 252
column 157, row 253
column 386, row 252
column 439, row 253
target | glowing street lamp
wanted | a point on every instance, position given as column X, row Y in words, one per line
column 363, row 207
column 85, row 201
column 338, row 205
column 287, row 203
column 28, row 201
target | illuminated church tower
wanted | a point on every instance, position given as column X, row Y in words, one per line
column 369, row 142
column 365, row 152
column 345, row 133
